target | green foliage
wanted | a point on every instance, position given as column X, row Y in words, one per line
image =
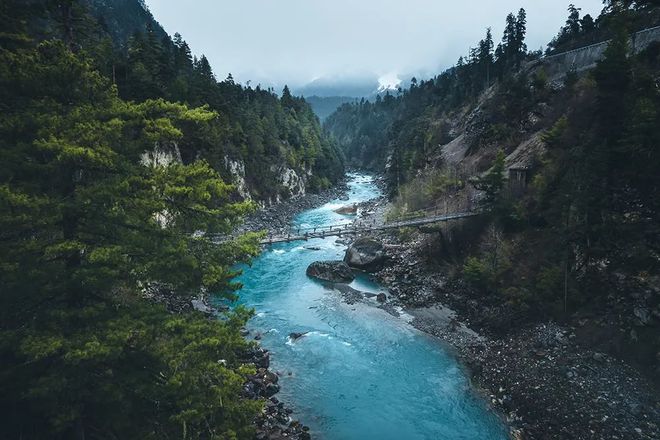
column 130, row 371
column 252, row 125
column 497, row 200
column 83, row 226
column 476, row 272
column 540, row 80
column 595, row 189
column 550, row 283
column 423, row 193
column 405, row 127
column 487, row 269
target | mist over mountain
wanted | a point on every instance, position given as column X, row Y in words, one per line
column 325, row 87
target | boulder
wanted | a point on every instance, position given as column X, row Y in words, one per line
column 271, row 389
column 366, row 254
column 295, row 335
column 643, row 315
column 331, row 271
column 347, row 210
column 381, row 298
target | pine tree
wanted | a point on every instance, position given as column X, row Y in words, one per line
column 492, row 184
column 287, row 98
column 485, row 56
column 203, row 69
column 572, row 26
column 613, row 76
column 521, row 33
column 84, row 225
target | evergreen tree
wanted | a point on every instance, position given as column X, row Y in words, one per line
column 572, row 26
column 521, row 34
column 203, row 68
column 613, row 76
column 287, row 98
column 492, row 184
column 84, row 226
column 485, row 56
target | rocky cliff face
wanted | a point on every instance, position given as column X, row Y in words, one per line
column 290, row 180
column 162, row 155
column 291, row 183
column 236, row 169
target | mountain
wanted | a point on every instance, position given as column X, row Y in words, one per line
column 559, row 152
column 105, row 185
column 270, row 148
column 325, row 106
column 327, row 94
column 358, row 86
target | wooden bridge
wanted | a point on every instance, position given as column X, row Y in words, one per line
column 359, row 227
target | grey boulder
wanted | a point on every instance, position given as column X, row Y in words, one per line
column 331, row 271
column 365, row 254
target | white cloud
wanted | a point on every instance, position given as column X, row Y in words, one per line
column 295, row 41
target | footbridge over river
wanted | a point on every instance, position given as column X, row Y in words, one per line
column 417, row 219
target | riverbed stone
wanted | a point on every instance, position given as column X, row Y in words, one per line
column 347, row 210
column 365, row 254
column 296, row 335
column 331, row 271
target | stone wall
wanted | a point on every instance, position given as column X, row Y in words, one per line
column 585, row 58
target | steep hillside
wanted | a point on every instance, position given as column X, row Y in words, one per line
column 270, row 148
column 565, row 165
column 324, row 106
column 105, row 184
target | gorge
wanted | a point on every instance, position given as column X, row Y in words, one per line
column 484, row 254
column 357, row 369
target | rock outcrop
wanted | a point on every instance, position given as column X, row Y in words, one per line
column 290, row 180
column 163, row 154
column 237, row 170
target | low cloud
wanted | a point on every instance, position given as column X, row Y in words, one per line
column 297, row 41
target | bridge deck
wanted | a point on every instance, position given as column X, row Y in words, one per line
column 354, row 229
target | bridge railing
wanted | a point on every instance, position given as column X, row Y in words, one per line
column 351, row 229
column 432, row 211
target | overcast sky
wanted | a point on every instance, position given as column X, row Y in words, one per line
column 273, row 42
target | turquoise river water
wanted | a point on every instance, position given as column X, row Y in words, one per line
column 359, row 373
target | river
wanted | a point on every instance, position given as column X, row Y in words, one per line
column 360, row 373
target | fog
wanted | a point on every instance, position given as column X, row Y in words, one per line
column 273, row 42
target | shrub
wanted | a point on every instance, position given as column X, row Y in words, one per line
column 477, row 273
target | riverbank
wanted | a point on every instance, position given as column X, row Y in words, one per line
column 277, row 218
column 546, row 383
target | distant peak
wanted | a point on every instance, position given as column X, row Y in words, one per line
column 387, row 82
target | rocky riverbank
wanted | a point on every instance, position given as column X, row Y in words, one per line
column 538, row 375
column 277, row 218
column 275, row 421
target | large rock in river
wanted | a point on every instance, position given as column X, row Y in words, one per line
column 366, row 254
column 347, row 210
column 332, row 271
